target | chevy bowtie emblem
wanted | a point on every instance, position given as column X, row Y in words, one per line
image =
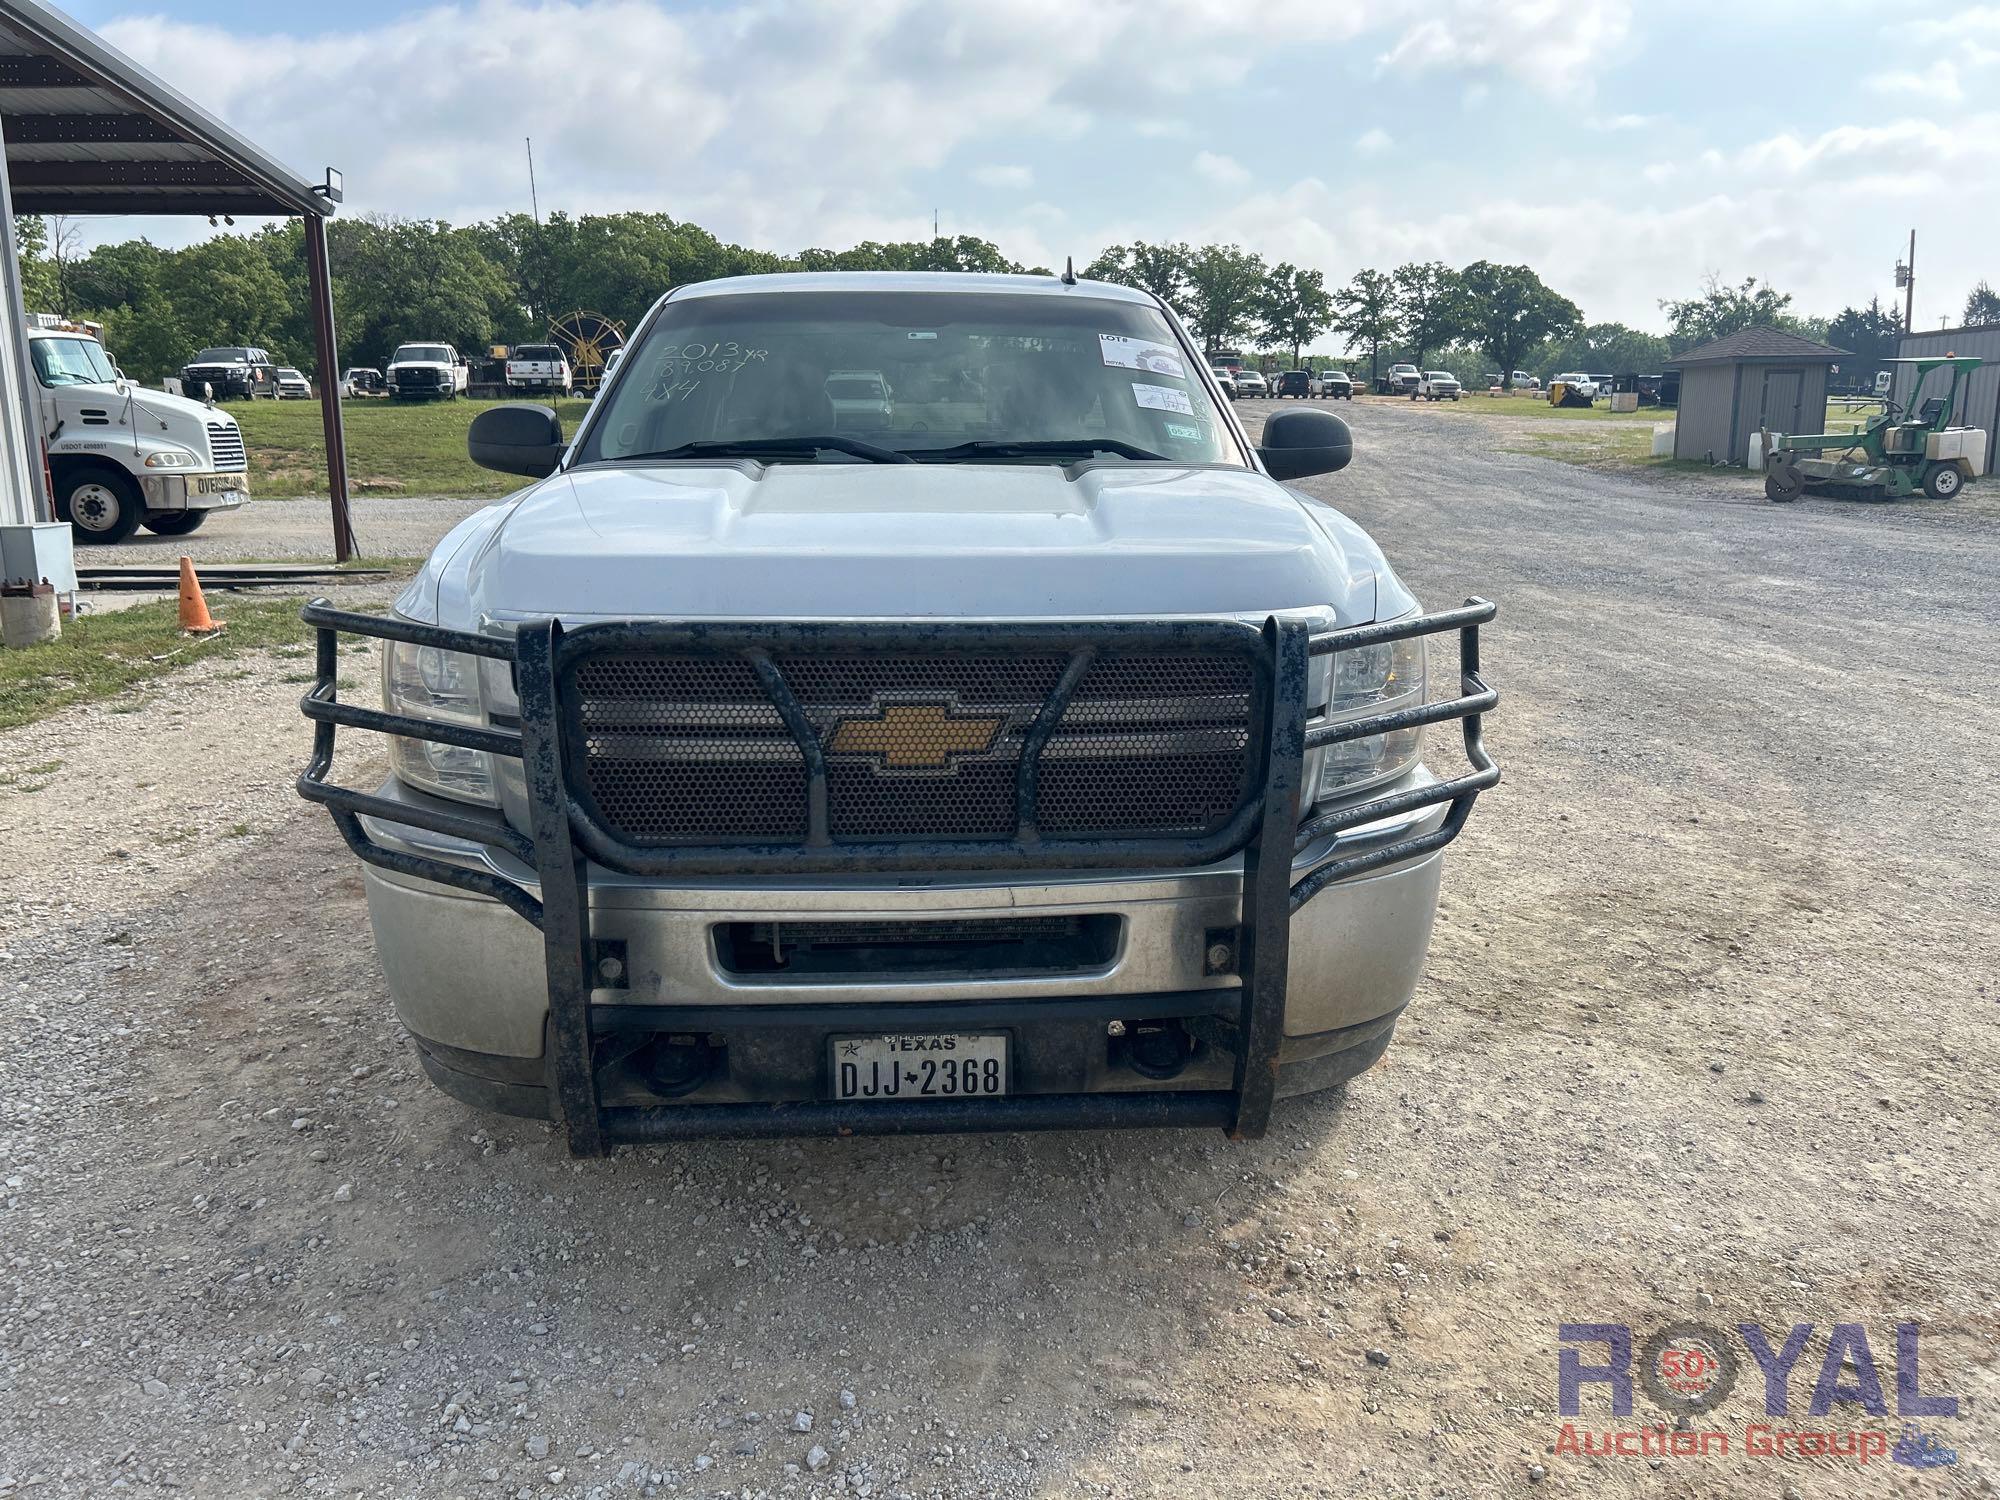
column 913, row 736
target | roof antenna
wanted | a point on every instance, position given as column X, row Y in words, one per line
column 1069, row 270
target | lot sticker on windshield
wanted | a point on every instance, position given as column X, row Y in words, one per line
column 1182, row 432
column 1163, row 398
column 1141, row 354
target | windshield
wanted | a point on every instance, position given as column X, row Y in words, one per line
column 71, row 362
column 433, row 354
column 222, row 357
column 289, row 373
column 946, row 376
column 538, row 351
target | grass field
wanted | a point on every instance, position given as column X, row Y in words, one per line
column 393, row 448
column 1596, row 437
column 100, row 656
column 399, row 449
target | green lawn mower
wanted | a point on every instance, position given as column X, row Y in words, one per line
column 1894, row 455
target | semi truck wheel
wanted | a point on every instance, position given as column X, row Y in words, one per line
column 1943, row 482
column 102, row 505
column 175, row 522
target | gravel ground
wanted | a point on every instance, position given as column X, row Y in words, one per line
column 1707, row 1032
column 272, row 530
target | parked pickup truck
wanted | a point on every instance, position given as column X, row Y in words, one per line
column 1400, row 380
column 1437, row 385
column 1038, row 760
column 539, row 367
column 121, row 456
column 427, row 372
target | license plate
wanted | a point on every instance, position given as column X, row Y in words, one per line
column 922, row 1065
column 220, row 484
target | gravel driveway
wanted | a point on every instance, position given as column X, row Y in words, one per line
column 270, row 530
column 1708, row 1032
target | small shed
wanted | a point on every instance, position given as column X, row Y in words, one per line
column 1979, row 397
column 1756, row 377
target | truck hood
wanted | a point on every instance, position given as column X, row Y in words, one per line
column 417, row 364
column 169, row 408
column 864, row 541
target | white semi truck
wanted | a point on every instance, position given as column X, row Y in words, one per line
column 121, row 456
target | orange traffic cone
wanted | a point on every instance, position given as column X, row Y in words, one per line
column 195, row 619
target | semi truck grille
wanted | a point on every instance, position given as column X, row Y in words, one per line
column 225, row 446
column 916, row 747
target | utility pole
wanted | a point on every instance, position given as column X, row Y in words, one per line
column 1906, row 278
column 534, row 203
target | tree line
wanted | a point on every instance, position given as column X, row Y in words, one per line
column 400, row 280
column 500, row 281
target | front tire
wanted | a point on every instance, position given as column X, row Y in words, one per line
column 1943, row 482
column 1783, row 483
column 175, row 522
column 102, row 505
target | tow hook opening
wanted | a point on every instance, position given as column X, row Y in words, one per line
column 1155, row 1049
column 677, row 1063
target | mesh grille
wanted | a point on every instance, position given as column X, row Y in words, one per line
column 917, row 747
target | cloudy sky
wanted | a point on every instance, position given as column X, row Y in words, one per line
column 1622, row 150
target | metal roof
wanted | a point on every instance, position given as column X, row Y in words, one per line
column 89, row 131
column 1758, row 343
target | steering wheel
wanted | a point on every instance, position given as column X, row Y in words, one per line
column 1890, row 410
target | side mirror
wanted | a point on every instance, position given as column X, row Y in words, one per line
column 519, row 438
column 611, row 360
column 1300, row 442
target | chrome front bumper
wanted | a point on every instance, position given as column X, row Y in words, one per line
column 465, row 972
column 174, row 492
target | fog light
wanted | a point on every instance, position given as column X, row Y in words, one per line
column 677, row 1065
column 1158, row 1049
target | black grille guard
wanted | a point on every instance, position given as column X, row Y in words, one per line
column 566, row 837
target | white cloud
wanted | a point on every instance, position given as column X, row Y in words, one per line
column 1373, row 141
column 1939, row 82
column 1554, row 45
column 706, row 112
column 1013, row 178
column 1222, row 171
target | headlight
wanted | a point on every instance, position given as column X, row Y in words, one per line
column 1367, row 681
column 426, row 683
column 170, row 458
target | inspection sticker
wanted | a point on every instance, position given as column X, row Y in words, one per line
column 1141, row 354
column 1163, row 398
column 1182, row 431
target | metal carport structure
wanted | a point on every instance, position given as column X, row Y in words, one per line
column 90, row 132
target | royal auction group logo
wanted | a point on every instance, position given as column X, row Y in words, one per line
column 1689, row 1368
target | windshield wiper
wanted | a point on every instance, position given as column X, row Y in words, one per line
column 1053, row 448
column 774, row 447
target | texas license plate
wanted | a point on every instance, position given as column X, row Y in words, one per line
column 921, row 1065
column 220, row 484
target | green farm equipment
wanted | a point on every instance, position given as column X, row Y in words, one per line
column 1894, row 455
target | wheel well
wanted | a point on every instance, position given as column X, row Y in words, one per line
column 65, row 467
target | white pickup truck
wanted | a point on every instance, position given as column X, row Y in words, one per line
column 427, row 372
column 1039, row 759
column 539, row 367
column 122, row 456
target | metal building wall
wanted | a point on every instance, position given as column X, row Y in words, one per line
column 1981, row 408
column 1708, row 397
